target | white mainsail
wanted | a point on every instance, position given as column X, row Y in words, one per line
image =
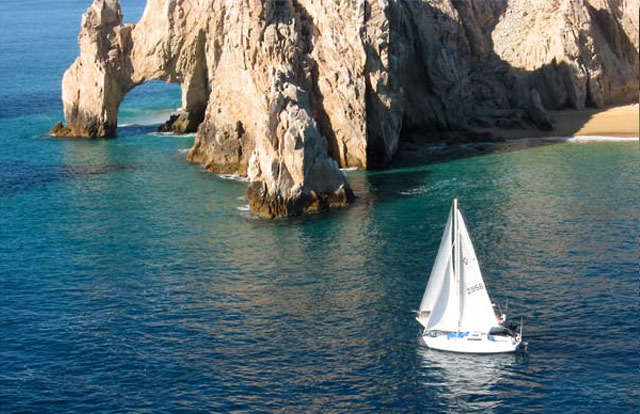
column 456, row 299
column 476, row 313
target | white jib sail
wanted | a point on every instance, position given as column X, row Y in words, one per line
column 446, row 309
column 441, row 299
column 477, row 314
column 438, row 272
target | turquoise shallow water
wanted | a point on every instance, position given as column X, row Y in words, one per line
column 133, row 281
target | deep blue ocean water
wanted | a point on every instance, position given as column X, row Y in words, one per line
column 133, row 281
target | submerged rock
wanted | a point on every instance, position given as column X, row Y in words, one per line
column 287, row 91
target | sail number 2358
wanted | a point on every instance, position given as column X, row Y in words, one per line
column 475, row 288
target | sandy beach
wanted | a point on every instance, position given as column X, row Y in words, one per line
column 613, row 124
column 617, row 121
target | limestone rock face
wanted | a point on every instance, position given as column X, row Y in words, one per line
column 574, row 53
column 287, row 91
column 90, row 88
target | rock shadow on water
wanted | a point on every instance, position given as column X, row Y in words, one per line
column 370, row 188
column 420, row 151
column 16, row 178
column 377, row 187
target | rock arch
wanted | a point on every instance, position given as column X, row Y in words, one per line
column 241, row 61
column 115, row 58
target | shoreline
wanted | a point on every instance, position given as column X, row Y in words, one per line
column 617, row 124
column 578, row 138
column 614, row 121
column 610, row 122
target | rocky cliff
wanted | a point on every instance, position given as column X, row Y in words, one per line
column 288, row 91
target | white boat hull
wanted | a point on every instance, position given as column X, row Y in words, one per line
column 472, row 343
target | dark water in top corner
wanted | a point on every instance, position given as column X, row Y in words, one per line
column 132, row 281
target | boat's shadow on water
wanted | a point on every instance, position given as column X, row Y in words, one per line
column 467, row 382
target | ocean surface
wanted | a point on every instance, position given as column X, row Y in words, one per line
column 133, row 281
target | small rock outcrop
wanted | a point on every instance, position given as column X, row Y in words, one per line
column 287, row 91
column 537, row 113
column 180, row 123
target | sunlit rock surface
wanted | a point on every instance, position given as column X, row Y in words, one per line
column 288, row 91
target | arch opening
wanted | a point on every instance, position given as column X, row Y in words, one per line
column 149, row 103
column 161, row 106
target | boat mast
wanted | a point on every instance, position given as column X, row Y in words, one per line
column 457, row 260
column 454, row 253
column 454, row 208
column 460, row 276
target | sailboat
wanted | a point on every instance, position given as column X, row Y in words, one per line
column 456, row 312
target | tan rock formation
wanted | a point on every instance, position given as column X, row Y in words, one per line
column 285, row 91
column 576, row 53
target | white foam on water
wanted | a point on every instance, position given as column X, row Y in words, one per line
column 147, row 117
column 243, row 208
column 171, row 134
column 349, row 169
column 415, row 191
column 183, row 150
column 598, row 138
column 233, row 177
column 574, row 139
